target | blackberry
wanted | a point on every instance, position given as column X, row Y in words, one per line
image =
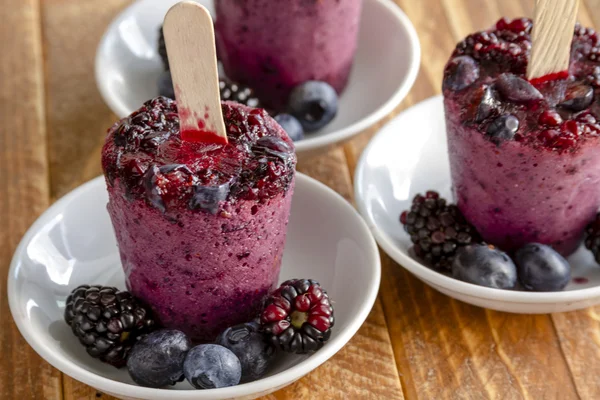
column 437, row 230
column 239, row 93
column 592, row 238
column 162, row 49
column 107, row 321
column 298, row 316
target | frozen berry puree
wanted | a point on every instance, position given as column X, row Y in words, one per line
column 525, row 158
column 274, row 45
column 200, row 227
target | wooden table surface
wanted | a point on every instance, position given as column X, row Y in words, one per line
column 416, row 344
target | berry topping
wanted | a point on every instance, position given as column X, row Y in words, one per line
column 298, row 317
column 251, row 346
column 107, row 321
column 578, row 97
column 517, row 90
column 437, row 230
column 314, row 104
column 592, row 239
column 488, row 104
column 541, row 268
column 460, row 72
column 210, row 366
column 485, row 266
column 550, row 118
column 156, row 360
column 503, row 128
column 505, row 48
column 144, row 153
column 554, row 113
column 291, row 125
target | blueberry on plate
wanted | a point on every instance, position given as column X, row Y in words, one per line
column 251, row 347
column 210, row 366
column 541, row 268
column 291, row 125
column 157, row 359
column 165, row 85
column 485, row 266
column 314, row 104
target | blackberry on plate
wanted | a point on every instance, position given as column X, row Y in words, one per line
column 298, row 316
column 592, row 239
column 437, row 230
column 239, row 93
column 107, row 321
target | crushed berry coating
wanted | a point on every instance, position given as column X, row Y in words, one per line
column 486, row 78
column 144, row 153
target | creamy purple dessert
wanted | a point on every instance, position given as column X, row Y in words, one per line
column 524, row 158
column 200, row 227
column 274, row 45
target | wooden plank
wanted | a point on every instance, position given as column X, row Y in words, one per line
column 77, row 116
column 446, row 349
column 24, row 182
column 578, row 331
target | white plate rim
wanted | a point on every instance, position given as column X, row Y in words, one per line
column 427, row 274
column 307, row 144
column 253, row 388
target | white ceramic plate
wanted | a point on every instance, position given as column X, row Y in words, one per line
column 386, row 65
column 409, row 156
column 73, row 243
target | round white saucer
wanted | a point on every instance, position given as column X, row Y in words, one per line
column 73, row 243
column 409, row 156
column 386, row 65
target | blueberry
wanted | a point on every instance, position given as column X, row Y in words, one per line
column 485, row 266
column 273, row 146
column 210, row 366
column 516, row 89
column 578, row 97
column 487, row 104
column 314, row 104
column 165, row 85
column 208, row 197
column 156, row 360
column 251, row 347
column 461, row 72
column 541, row 268
column 291, row 125
column 503, row 128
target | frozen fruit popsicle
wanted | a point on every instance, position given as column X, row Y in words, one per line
column 525, row 159
column 200, row 227
column 273, row 45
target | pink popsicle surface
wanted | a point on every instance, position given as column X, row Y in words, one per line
column 274, row 45
column 200, row 228
column 536, row 179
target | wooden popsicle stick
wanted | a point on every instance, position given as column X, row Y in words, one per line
column 553, row 26
column 190, row 41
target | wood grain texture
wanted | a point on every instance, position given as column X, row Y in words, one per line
column 438, row 348
column 552, row 34
column 77, row 117
column 190, row 40
column 24, row 183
